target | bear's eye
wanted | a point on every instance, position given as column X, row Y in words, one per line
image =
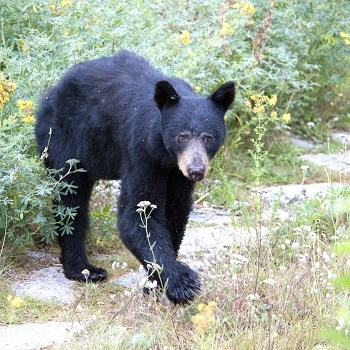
column 183, row 137
column 207, row 138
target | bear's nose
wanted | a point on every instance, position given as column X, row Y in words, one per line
column 196, row 172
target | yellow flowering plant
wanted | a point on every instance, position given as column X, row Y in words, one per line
column 7, row 88
column 185, row 37
column 205, row 318
column 26, row 108
column 245, row 7
column 14, row 301
column 260, row 108
column 226, row 29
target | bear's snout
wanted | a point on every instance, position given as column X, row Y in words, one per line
column 196, row 172
column 193, row 161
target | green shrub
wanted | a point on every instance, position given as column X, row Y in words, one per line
column 23, row 198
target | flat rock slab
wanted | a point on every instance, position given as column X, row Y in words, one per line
column 289, row 194
column 200, row 245
column 34, row 336
column 210, row 216
column 48, row 284
column 336, row 162
column 205, row 238
column 133, row 280
column 298, row 142
column 342, row 136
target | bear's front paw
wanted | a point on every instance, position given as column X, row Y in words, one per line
column 183, row 284
column 87, row 273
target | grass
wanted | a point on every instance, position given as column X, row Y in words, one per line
column 274, row 295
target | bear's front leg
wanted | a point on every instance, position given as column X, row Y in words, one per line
column 181, row 282
column 178, row 205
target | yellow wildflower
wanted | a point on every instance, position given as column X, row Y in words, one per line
column 52, row 7
column 245, row 7
column 226, row 29
column 272, row 101
column 248, row 104
column 14, row 301
column 185, row 37
column 26, row 108
column 66, row 3
column 25, row 105
column 273, row 115
column 204, row 319
column 7, row 87
column 258, row 109
column 28, row 118
column 286, row 118
column 265, row 98
column 197, row 88
column 254, row 97
column 248, row 8
column 344, row 35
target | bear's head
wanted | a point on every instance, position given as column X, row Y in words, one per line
column 193, row 127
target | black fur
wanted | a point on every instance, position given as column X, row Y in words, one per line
column 121, row 119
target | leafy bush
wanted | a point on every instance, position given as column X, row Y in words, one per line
column 284, row 48
column 23, row 198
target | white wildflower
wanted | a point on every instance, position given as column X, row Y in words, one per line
column 269, row 281
column 253, row 297
column 115, row 265
column 144, row 204
column 151, row 284
column 295, row 245
column 86, row 273
column 326, row 257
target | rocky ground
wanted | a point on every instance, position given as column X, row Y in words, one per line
column 210, row 231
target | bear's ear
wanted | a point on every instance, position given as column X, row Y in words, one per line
column 165, row 95
column 225, row 95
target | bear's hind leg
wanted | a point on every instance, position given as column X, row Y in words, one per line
column 73, row 250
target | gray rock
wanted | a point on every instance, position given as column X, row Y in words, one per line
column 289, row 194
column 47, row 284
column 132, row 279
column 210, row 216
column 297, row 142
column 34, row 336
column 342, row 136
column 42, row 256
column 336, row 162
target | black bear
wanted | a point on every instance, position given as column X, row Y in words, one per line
column 123, row 119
